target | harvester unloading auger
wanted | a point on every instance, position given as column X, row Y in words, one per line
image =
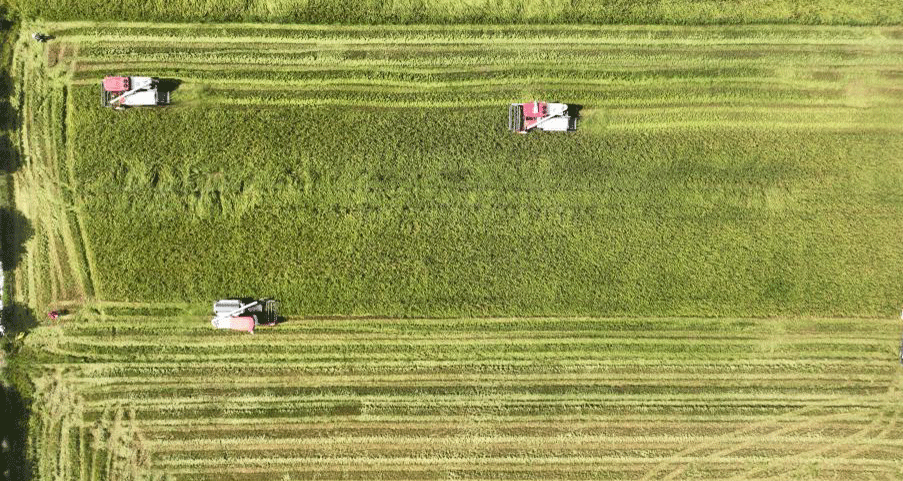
column 244, row 314
column 523, row 118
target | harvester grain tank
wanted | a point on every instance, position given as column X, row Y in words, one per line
column 244, row 314
column 546, row 116
column 121, row 92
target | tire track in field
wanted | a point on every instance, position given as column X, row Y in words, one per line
column 370, row 453
column 774, row 423
column 833, row 443
column 850, row 451
column 47, row 189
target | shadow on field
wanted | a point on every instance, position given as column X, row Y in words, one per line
column 9, row 157
column 18, row 318
column 15, row 230
column 169, row 84
column 14, row 462
column 8, row 114
column 574, row 110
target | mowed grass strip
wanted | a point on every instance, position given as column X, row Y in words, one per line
column 790, row 408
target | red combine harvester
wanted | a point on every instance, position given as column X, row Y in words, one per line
column 121, row 92
column 523, row 118
column 244, row 314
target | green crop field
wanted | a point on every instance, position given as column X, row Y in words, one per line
column 368, row 171
column 697, row 283
column 832, row 12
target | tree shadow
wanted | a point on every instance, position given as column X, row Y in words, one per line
column 14, row 461
column 901, row 350
column 15, row 230
column 9, row 156
column 8, row 115
column 18, row 318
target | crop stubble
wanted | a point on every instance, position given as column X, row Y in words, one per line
column 770, row 399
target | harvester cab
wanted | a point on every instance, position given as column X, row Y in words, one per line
column 244, row 314
column 551, row 117
column 122, row 92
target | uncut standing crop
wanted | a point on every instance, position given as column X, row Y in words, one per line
column 731, row 173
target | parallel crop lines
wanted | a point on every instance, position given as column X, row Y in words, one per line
column 723, row 171
column 758, row 412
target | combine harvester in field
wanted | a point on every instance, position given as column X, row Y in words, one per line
column 122, row 92
column 244, row 314
column 523, row 118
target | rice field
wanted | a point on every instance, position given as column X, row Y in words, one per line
column 698, row 283
column 824, row 12
column 149, row 392
column 742, row 171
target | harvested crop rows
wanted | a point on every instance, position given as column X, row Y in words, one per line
column 142, row 393
column 366, row 171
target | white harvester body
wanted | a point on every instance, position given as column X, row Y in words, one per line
column 120, row 92
column 547, row 116
column 244, row 314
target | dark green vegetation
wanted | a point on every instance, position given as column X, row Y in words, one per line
column 730, row 174
column 862, row 12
